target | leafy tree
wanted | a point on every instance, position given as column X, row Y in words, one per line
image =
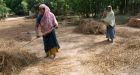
column 3, row 9
column 15, row 6
column 84, row 8
column 32, row 3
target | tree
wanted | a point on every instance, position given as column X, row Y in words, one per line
column 32, row 3
column 59, row 7
column 3, row 9
column 84, row 8
column 17, row 6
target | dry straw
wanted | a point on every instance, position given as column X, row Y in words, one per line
column 13, row 59
column 134, row 22
column 89, row 26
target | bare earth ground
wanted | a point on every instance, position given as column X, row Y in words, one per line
column 80, row 54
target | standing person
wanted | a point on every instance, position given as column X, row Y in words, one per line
column 47, row 22
column 110, row 20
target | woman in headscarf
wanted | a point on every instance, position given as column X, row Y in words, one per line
column 110, row 20
column 47, row 22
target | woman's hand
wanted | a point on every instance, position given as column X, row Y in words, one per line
column 56, row 26
column 102, row 20
column 38, row 36
column 44, row 34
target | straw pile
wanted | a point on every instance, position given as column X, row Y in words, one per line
column 90, row 26
column 137, row 16
column 134, row 22
column 13, row 59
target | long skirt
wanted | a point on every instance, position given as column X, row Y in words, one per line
column 51, row 45
column 110, row 33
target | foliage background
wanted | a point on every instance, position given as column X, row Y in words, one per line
column 84, row 8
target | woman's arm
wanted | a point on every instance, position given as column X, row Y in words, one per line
column 37, row 26
column 37, row 30
column 55, row 23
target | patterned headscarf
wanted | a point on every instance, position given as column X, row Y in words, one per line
column 46, row 19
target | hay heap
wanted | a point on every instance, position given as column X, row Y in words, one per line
column 89, row 26
column 137, row 16
column 13, row 59
column 134, row 22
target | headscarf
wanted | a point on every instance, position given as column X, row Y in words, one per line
column 109, row 7
column 46, row 18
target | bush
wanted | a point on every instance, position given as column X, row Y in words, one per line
column 120, row 19
column 3, row 11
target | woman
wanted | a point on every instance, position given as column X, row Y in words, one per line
column 47, row 22
column 110, row 20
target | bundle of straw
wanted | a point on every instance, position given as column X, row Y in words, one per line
column 91, row 26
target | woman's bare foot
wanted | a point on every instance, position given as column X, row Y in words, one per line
column 108, row 40
column 54, row 56
column 112, row 41
column 46, row 56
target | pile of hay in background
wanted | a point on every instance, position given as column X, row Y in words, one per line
column 89, row 26
column 13, row 59
column 134, row 22
column 137, row 16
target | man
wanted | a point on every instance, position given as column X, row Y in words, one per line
column 110, row 21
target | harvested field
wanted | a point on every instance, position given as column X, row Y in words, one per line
column 80, row 54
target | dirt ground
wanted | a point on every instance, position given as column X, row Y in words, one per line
column 80, row 54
